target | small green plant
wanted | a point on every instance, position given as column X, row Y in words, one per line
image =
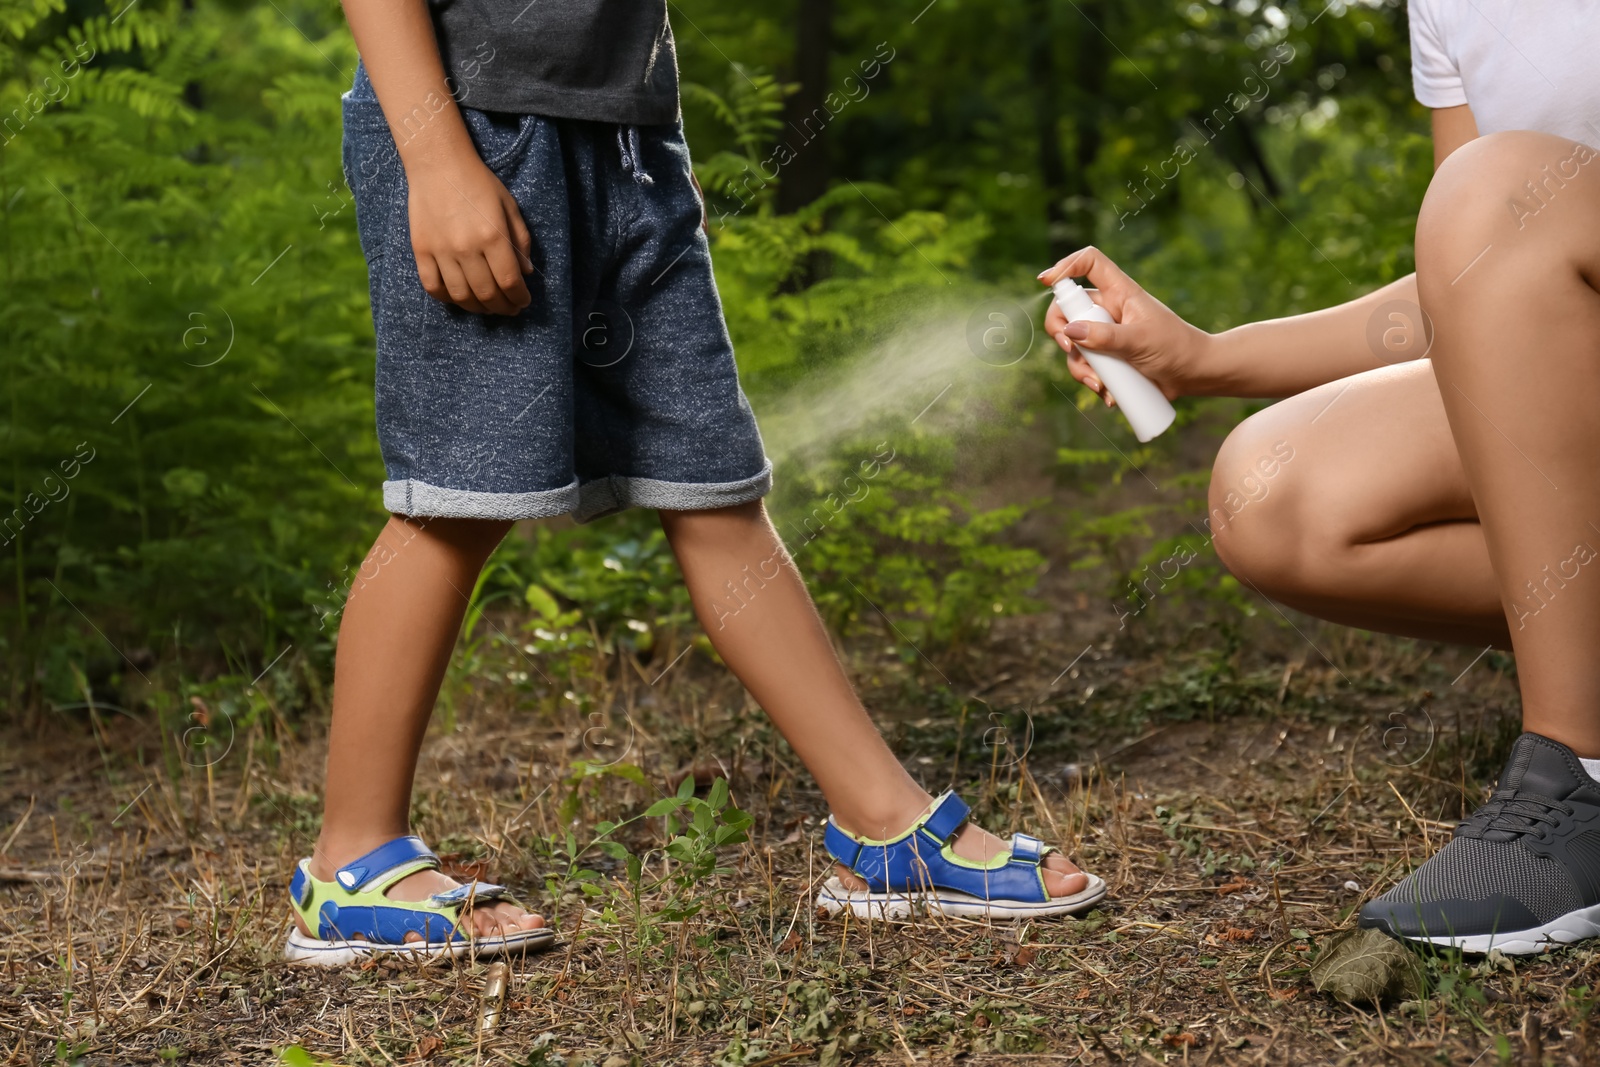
column 695, row 830
column 1189, row 833
column 619, row 577
column 911, row 552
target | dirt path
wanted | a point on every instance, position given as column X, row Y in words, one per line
column 1241, row 804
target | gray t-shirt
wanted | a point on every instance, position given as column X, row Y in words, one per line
column 604, row 60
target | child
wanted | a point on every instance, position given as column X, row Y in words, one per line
column 1442, row 479
column 494, row 236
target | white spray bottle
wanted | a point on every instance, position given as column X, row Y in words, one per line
column 1148, row 410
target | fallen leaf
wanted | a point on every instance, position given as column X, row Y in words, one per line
column 462, row 868
column 1010, row 954
column 1238, row 885
column 428, row 1047
column 1366, row 966
column 791, row 943
column 704, row 773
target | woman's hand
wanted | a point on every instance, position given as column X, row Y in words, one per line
column 471, row 244
column 1147, row 334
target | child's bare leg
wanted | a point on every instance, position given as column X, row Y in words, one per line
column 778, row 648
column 399, row 630
column 1508, row 261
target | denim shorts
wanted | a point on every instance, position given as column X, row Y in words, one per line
column 615, row 388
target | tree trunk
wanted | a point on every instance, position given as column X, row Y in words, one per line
column 806, row 120
column 1092, row 63
column 1042, row 73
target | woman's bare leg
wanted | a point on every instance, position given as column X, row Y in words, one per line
column 1508, row 258
column 770, row 636
column 1457, row 498
column 1349, row 502
column 399, row 629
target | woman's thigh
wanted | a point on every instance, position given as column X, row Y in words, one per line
column 1367, row 517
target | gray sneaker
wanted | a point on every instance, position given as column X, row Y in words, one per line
column 1521, row 874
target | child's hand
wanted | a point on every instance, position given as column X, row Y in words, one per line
column 1147, row 334
column 471, row 244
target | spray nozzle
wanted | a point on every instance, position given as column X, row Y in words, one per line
column 1074, row 300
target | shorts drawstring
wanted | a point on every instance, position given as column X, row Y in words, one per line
column 628, row 148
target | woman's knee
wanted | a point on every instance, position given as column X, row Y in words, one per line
column 1257, row 520
column 1501, row 201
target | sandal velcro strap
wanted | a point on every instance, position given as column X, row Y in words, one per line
column 300, row 885
column 1028, row 849
column 949, row 812
column 941, row 822
column 402, row 851
column 840, row 845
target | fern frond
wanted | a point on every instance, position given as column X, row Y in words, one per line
column 20, row 16
column 146, row 95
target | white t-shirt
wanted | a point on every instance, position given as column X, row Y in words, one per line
column 1520, row 64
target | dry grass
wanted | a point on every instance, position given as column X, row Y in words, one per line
column 142, row 912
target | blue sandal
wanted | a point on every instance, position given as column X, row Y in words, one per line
column 353, row 918
column 918, row 873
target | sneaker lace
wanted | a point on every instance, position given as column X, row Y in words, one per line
column 1514, row 813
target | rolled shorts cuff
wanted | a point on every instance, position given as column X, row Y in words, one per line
column 421, row 500
column 604, row 496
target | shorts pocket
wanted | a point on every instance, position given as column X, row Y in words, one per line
column 500, row 137
column 373, row 170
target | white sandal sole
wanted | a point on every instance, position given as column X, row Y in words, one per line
column 315, row 952
column 834, row 898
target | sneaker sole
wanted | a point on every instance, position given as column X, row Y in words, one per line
column 314, row 952
column 834, row 898
column 1572, row 927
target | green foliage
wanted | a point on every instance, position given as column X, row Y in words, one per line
column 875, row 261
column 694, row 830
column 750, row 110
column 901, row 547
column 190, row 476
column 1188, row 831
column 616, row 573
column 295, row 1056
column 189, row 330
